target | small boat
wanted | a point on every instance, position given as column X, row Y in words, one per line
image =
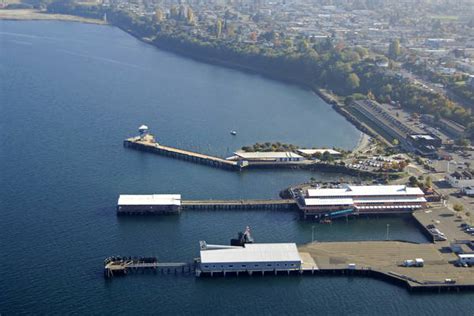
column 233, row 133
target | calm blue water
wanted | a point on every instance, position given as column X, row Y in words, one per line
column 70, row 93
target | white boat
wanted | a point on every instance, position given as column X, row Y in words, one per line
column 233, row 133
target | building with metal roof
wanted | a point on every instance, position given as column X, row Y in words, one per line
column 352, row 199
column 314, row 151
column 283, row 156
column 250, row 258
column 149, row 204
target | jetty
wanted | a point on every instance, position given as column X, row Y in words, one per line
column 145, row 144
column 119, row 266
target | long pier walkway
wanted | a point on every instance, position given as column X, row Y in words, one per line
column 114, row 266
column 237, row 204
column 137, row 143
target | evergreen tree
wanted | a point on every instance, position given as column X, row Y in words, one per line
column 394, row 49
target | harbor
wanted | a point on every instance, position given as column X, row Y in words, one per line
column 145, row 141
column 63, row 179
column 313, row 204
column 436, row 267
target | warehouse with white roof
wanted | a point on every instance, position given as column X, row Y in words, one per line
column 149, row 204
column 352, row 199
column 250, row 258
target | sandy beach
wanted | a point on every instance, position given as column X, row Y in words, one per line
column 26, row 14
column 363, row 144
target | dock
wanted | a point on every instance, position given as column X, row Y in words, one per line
column 161, row 204
column 120, row 266
column 384, row 260
column 238, row 204
column 148, row 144
column 151, row 146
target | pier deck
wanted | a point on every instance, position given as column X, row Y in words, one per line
column 237, row 204
column 123, row 266
column 386, row 257
column 137, row 143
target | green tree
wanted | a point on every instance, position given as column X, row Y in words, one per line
column 159, row 15
column 353, row 81
column 190, row 16
column 394, row 49
column 428, row 182
column 218, row 28
column 464, row 142
column 326, row 156
column 174, row 12
column 413, row 181
column 458, row 208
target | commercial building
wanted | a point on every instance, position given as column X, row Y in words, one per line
column 425, row 145
column 249, row 258
column 149, row 204
column 284, row 156
column 389, row 126
column 350, row 199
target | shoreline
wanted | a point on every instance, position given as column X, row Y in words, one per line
column 326, row 96
column 37, row 15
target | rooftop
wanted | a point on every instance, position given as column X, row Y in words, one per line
column 367, row 190
column 150, row 199
column 270, row 154
column 253, row 253
column 319, row 150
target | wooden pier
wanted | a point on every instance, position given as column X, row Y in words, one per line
column 144, row 145
column 238, row 204
column 120, row 266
